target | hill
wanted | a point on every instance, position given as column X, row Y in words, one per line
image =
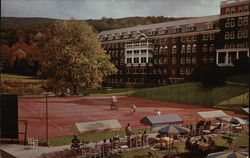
column 98, row 24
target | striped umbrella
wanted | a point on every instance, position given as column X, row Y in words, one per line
column 231, row 119
column 229, row 154
column 170, row 129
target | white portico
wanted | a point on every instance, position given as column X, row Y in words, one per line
column 139, row 51
column 226, row 57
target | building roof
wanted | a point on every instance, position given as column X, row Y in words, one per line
column 106, row 125
column 162, row 119
column 210, row 115
column 165, row 25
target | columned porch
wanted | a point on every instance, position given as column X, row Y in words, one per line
column 226, row 57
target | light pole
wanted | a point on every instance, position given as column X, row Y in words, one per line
column 47, row 127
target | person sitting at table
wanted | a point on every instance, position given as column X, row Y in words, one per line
column 75, row 143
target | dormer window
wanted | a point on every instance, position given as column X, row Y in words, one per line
column 110, row 37
column 161, row 32
column 210, row 26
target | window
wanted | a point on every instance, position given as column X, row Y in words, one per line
column 232, row 10
column 110, row 37
column 194, row 48
column 245, row 44
column 174, row 60
column 155, row 61
column 183, row 60
column 211, row 48
column 232, row 45
column 183, row 49
column 204, row 59
column 174, row 39
column 227, row 22
column 232, row 35
column 126, row 36
column 155, row 71
column 205, row 48
column 136, row 51
column 165, row 71
column 143, row 51
column 240, row 9
column 232, row 22
column 143, row 70
column 240, row 21
column 188, row 48
column 194, row 60
column 239, row 45
column 211, row 59
column 129, row 52
column 135, row 71
column 227, row 35
column 194, row 38
column 227, row 10
column 183, row 39
column 188, row 38
column 143, row 59
column 188, row 71
column 136, row 60
column 212, row 36
column 239, row 34
column 245, row 33
column 205, row 37
column 245, row 20
column 160, row 61
column 129, row 60
column 150, row 60
column 166, row 49
column 165, row 61
column 174, row 50
column 245, row 8
column 161, row 32
column 188, row 60
column 182, row 71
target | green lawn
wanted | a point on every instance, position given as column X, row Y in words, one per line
column 19, row 78
column 239, row 79
column 235, row 102
column 92, row 137
column 191, row 93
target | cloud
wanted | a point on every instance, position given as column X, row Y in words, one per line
column 95, row 9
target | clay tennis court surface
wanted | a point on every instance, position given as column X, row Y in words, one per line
column 63, row 112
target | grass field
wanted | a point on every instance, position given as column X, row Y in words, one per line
column 191, row 93
column 19, row 78
column 235, row 102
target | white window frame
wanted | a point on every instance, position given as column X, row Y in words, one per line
column 204, row 48
column 227, row 10
column 194, row 60
column 232, row 36
column 211, row 48
column 205, row 37
column 194, row 38
column 240, row 9
column 174, row 60
column 183, row 39
column 227, row 35
column 245, row 33
column 194, row 48
column 183, row 60
column 232, row 22
column 240, row 21
column 174, row 50
column 182, row 71
column 212, row 36
column 188, row 71
column 188, row 60
column 227, row 23
column 245, row 20
column 239, row 34
column 246, row 9
column 189, row 48
column 232, row 10
column 183, row 49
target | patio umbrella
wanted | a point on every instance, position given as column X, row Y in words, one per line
column 170, row 129
column 232, row 119
column 229, row 154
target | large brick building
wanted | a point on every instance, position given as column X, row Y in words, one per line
column 165, row 53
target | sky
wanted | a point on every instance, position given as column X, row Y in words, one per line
column 96, row 9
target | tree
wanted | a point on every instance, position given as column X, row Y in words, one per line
column 73, row 57
column 210, row 75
